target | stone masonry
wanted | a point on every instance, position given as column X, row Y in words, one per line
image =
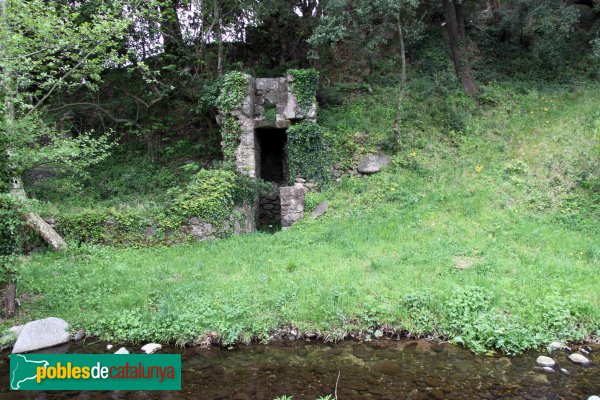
column 251, row 116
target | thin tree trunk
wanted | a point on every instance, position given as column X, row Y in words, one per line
column 397, row 119
column 468, row 81
column 457, row 39
column 217, row 16
column 10, row 297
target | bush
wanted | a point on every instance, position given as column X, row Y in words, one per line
column 209, row 196
column 306, row 152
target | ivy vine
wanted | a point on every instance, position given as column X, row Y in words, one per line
column 304, row 86
column 232, row 94
column 306, row 152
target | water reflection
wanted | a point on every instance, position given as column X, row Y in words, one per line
column 379, row 370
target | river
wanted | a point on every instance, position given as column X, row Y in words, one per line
column 385, row 369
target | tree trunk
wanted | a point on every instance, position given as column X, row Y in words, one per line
column 219, row 36
column 396, row 127
column 453, row 12
column 37, row 223
column 10, row 297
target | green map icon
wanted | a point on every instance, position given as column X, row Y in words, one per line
column 24, row 370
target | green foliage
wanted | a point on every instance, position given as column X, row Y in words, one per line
column 270, row 112
column 233, row 90
column 304, row 86
column 109, row 226
column 209, row 196
column 11, row 225
column 210, row 91
column 420, row 315
column 306, row 152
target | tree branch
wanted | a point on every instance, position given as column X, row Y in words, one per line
column 62, row 78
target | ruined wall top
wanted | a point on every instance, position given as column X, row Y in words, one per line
column 267, row 103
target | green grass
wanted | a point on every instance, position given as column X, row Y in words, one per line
column 514, row 194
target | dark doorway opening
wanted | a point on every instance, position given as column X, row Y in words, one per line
column 273, row 160
column 272, row 167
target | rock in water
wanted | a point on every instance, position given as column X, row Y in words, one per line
column 556, row 346
column 80, row 335
column 43, row 333
column 122, row 350
column 151, row 348
column 373, row 163
column 320, row 210
column 579, row 359
column 544, row 361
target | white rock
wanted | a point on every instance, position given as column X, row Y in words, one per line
column 593, row 398
column 556, row 346
column 579, row 359
column 151, row 348
column 109, row 347
column 122, row 350
column 41, row 334
column 544, row 361
column 370, row 164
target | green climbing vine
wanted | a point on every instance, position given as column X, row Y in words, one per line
column 232, row 94
column 304, row 86
column 307, row 156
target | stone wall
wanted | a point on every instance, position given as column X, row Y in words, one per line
column 252, row 116
column 269, row 210
column 292, row 204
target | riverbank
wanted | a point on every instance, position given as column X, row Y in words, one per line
column 490, row 240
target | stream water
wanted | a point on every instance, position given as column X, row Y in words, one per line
column 377, row 370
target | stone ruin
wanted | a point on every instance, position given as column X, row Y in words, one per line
column 268, row 109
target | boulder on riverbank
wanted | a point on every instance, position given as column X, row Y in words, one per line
column 41, row 334
column 151, row 348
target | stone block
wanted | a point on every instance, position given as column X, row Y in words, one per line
column 292, row 204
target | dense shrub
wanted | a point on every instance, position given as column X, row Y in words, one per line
column 306, row 152
column 209, row 196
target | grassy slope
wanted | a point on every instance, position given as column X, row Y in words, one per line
column 503, row 199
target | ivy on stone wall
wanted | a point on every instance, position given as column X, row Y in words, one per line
column 233, row 90
column 306, row 152
column 304, row 86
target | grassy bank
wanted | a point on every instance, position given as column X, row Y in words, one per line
column 488, row 235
